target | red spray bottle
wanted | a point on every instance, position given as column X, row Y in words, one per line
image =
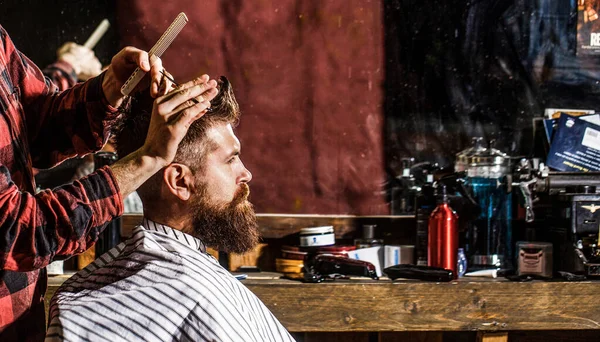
column 443, row 234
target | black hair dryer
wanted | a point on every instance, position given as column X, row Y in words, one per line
column 111, row 236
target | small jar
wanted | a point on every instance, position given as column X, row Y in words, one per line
column 534, row 258
column 317, row 236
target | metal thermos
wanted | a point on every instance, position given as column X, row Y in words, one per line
column 111, row 236
column 443, row 234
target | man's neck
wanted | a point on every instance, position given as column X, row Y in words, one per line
column 174, row 220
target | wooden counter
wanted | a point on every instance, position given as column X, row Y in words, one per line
column 385, row 306
column 419, row 306
column 366, row 310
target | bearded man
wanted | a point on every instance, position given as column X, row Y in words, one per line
column 161, row 285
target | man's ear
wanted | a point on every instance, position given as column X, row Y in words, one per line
column 179, row 179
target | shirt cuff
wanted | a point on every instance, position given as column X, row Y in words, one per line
column 95, row 93
column 104, row 195
column 66, row 68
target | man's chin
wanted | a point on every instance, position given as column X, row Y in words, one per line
column 232, row 229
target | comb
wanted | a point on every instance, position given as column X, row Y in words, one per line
column 97, row 34
column 157, row 50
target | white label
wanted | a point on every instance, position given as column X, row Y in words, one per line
column 591, row 138
column 317, row 240
column 595, row 119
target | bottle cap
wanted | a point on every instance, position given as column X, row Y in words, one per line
column 316, row 230
column 441, row 192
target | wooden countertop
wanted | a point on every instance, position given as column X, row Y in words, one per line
column 464, row 305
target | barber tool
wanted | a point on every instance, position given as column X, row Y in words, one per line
column 427, row 273
column 322, row 267
column 562, row 208
column 91, row 42
column 490, row 273
column 208, row 110
column 157, row 50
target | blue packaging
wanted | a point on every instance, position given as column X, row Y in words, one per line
column 575, row 145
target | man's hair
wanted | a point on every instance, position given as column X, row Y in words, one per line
column 130, row 132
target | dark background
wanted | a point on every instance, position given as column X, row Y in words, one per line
column 39, row 28
column 334, row 93
column 458, row 69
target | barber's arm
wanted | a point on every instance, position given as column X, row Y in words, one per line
column 77, row 121
column 67, row 220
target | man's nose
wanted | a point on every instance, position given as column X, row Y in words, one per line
column 246, row 176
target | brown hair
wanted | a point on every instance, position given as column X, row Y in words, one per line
column 130, row 132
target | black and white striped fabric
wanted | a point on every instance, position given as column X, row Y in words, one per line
column 160, row 285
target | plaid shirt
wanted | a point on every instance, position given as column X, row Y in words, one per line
column 62, row 74
column 40, row 127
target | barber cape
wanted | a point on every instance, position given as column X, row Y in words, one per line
column 160, row 285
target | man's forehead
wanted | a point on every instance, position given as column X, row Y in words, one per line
column 222, row 139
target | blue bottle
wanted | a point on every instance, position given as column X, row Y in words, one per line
column 461, row 263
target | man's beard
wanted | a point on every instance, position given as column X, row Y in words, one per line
column 231, row 227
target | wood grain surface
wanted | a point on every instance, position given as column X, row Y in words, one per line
column 418, row 311
column 417, row 306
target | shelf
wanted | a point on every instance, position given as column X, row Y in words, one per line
column 276, row 226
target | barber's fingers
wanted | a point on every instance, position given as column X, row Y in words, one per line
column 198, row 80
column 169, row 102
column 208, row 95
column 186, row 117
column 156, row 77
column 165, row 83
column 64, row 48
column 124, row 63
column 130, row 57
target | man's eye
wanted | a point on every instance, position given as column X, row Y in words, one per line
column 231, row 160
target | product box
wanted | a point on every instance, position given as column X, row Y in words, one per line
column 550, row 124
column 588, row 27
column 575, row 145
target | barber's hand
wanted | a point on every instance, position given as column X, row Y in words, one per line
column 122, row 66
column 173, row 114
column 83, row 60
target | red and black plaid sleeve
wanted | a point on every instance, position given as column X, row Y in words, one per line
column 74, row 122
column 61, row 74
column 63, row 221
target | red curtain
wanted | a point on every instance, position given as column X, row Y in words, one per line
column 308, row 76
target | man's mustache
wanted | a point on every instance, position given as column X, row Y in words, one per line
column 241, row 194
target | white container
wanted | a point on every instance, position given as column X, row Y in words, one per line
column 399, row 255
column 317, row 236
column 373, row 255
